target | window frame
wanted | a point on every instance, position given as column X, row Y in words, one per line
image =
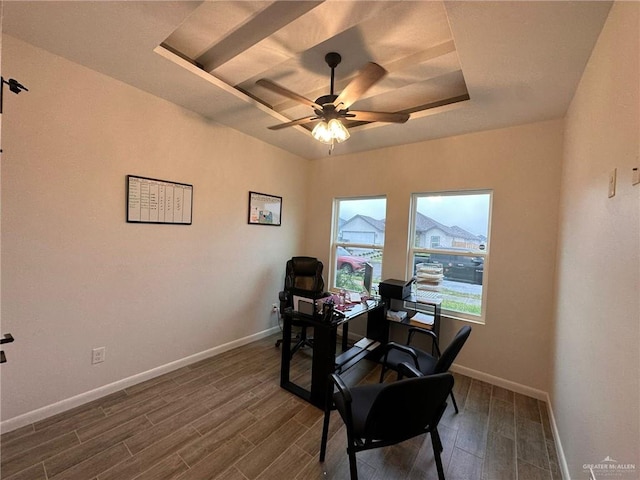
column 412, row 250
column 335, row 243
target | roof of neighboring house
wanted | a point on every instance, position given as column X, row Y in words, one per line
column 424, row 223
column 377, row 224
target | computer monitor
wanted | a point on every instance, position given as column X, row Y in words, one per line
column 368, row 277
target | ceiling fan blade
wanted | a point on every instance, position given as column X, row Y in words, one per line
column 274, row 87
column 299, row 121
column 369, row 75
column 378, row 116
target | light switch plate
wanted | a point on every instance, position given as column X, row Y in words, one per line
column 612, row 182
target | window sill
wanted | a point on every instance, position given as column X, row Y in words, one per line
column 449, row 316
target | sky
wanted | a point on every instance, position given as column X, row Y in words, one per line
column 470, row 211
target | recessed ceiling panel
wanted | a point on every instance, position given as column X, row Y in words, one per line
column 289, row 46
column 519, row 61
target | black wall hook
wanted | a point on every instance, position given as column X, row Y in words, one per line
column 6, row 338
column 14, row 85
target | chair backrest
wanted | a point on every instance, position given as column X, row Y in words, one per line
column 304, row 277
column 452, row 351
column 408, row 407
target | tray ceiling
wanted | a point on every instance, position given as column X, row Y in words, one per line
column 456, row 67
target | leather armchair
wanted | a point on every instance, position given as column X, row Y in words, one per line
column 303, row 277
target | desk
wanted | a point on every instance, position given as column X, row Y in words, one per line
column 432, row 304
column 325, row 337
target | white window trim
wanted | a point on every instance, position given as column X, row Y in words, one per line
column 481, row 319
column 334, row 244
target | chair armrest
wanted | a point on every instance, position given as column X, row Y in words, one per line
column 429, row 333
column 403, row 348
column 408, row 371
column 342, row 388
column 285, row 300
column 341, row 401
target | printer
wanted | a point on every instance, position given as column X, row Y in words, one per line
column 395, row 289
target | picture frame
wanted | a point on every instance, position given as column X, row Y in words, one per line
column 151, row 200
column 264, row 209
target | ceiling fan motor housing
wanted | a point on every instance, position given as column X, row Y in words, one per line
column 327, row 106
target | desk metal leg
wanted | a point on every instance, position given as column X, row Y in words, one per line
column 285, row 362
column 345, row 336
column 323, row 363
column 324, row 359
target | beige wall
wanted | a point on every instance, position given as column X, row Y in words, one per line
column 75, row 275
column 596, row 361
column 522, row 167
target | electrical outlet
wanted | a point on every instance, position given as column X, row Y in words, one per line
column 612, row 182
column 97, row 355
column 274, row 307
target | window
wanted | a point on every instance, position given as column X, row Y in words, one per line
column 449, row 249
column 358, row 241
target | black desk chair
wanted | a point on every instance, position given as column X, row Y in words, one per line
column 396, row 354
column 303, row 277
column 382, row 414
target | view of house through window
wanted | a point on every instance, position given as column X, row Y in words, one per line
column 450, row 248
column 358, row 242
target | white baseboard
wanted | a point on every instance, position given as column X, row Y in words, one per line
column 76, row 401
column 501, row 382
column 485, row 377
column 81, row 399
column 530, row 392
column 514, row 387
column 562, row 461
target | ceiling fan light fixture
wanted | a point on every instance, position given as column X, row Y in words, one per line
column 330, row 109
column 338, row 131
column 322, row 133
column 331, row 132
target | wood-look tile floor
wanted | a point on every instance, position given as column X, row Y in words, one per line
column 227, row 418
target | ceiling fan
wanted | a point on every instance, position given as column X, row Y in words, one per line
column 330, row 110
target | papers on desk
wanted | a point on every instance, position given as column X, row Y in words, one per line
column 396, row 316
column 354, row 297
column 303, row 305
column 421, row 320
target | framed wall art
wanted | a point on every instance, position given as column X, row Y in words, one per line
column 158, row 201
column 265, row 209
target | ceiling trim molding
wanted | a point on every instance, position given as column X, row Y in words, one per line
column 216, row 82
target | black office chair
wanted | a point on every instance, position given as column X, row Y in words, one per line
column 303, row 277
column 395, row 354
column 382, row 414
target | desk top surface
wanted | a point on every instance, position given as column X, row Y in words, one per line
column 351, row 311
